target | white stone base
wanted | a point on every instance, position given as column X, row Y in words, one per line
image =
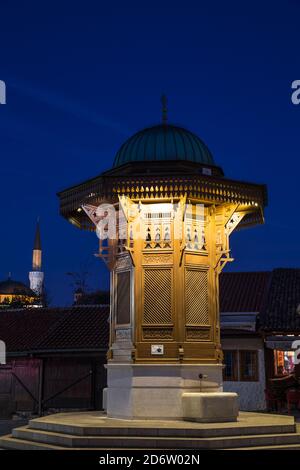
column 155, row 391
column 210, row 407
column 104, row 399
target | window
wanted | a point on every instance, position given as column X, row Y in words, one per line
column 240, row 365
column 123, row 298
column 284, row 362
column 230, row 361
column 248, row 366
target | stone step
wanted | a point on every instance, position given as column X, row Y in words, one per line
column 265, row 441
column 107, row 427
column 10, row 443
column 278, row 447
column 93, row 430
column 150, row 442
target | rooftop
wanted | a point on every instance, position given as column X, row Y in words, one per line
column 46, row 329
column 274, row 296
column 243, row 291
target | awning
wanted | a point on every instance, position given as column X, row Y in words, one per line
column 282, row 343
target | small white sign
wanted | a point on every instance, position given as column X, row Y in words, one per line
column 157, row 349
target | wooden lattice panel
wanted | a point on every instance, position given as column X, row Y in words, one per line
column 123, row 298
column 158, row 333
column 196, row 334
column 157, row 296
column 196, row 297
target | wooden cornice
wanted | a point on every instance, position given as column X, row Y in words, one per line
column 207, row 189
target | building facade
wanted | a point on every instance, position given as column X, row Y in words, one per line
column 54, row 359
column 260, row 324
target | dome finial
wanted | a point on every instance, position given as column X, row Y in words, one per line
column 164, row 109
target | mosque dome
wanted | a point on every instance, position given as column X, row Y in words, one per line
column 11, row 287
column 164, row 142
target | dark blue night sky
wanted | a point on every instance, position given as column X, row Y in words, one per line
column 83, row 76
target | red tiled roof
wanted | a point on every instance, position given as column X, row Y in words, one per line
column 282, row 308
column 243, row 291
column 74, row 328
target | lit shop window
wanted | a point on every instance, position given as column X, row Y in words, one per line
column 284, row 362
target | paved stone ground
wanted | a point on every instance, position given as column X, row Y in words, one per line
column 295, row 412
column 6, row 425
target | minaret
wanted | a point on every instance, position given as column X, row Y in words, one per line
column 36, row 276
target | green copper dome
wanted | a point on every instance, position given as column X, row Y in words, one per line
column 164, row 142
